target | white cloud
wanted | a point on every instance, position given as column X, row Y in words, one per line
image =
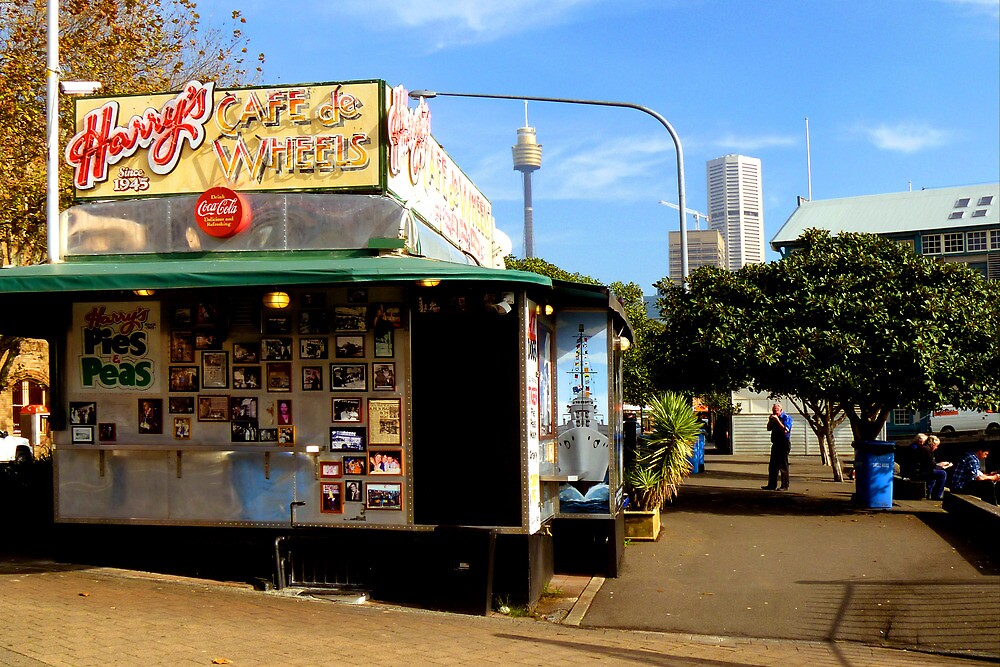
column 755, row 143
column 446, row 23
column 987, row 7
column 905, row 137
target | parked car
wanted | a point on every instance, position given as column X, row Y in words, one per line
column 949, row 420
column 14, row 448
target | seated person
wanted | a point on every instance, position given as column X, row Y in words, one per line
column 926, row 469
column 967, row 473
column 909, row 457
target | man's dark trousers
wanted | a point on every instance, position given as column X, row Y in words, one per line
column 778, row 463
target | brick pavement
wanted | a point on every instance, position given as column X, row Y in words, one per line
column 64, row 615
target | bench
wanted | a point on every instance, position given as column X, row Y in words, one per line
column 905, row 488
column 979, row 512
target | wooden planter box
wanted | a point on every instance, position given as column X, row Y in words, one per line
column 642, row 526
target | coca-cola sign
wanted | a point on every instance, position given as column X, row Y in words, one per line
column 222, row 213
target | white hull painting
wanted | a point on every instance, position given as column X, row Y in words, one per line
column 583, row 451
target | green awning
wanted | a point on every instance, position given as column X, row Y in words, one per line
column 257, row 270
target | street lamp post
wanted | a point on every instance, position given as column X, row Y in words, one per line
column 427, row 94
column 52, row 130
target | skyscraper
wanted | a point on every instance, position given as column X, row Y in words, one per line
column 736, row 208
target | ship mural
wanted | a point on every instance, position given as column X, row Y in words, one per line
column 583, row 433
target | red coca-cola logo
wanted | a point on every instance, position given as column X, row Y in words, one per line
column 222, row 213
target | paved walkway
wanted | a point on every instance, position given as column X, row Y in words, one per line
column 741, row 577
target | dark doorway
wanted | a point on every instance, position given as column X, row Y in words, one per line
column 466, row 419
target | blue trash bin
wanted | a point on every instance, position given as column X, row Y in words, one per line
column 697, row 457
column 873, row 461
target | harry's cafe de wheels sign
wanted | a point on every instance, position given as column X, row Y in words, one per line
column 340, row 137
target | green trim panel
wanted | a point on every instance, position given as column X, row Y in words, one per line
column 272, row 270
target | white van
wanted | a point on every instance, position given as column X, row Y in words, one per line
column 947, row 420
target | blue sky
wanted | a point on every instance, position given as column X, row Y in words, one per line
column 899, row 94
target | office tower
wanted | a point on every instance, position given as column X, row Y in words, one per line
column 736, row 208
column 705, row 248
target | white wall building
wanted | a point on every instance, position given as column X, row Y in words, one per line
column 736, row 207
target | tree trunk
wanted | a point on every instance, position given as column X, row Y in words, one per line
column 838, row 471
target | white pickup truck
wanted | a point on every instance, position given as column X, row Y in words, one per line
column 14, row 448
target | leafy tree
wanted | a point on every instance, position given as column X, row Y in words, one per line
column 637, row 383
column 854, row 323
column 130, row 46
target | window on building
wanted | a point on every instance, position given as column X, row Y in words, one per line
column 986, row 201
column 931, row 244
column 963, row 202
column 906, row 242
column 975, row 241
column 979, row 213
column 955, row 215
column 902, row 417
column 954, row 242
column 25, row 392
column 995, row 239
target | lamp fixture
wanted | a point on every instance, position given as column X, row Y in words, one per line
column 624, row 343
column 547, row 309
column 144, row 292
column 429, row 282
column 276, row 300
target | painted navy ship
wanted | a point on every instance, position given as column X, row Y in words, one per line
column 583, row 435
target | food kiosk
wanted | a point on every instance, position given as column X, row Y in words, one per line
column 283, row 310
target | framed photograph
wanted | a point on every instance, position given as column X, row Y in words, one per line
column 348, row 377
column 347, row 439
column 83, row 413
column 184, row 378
column 276, row 349
column 82, row 435
column 386, row 316
column 355, row 465
column 182, row 428
column 279, row 376
column 206, row 315
column 276, row 324
column 350, row 347
column 312, row 378
column 284, row 410
column 207, row 340
column 286, row 435
column 331, row 497
column 246, row 353
column 181, row 316
column 314, row 321
column 346, row 409
column 384, row 421
column 313, row 348
column 107, row 432
column 357, row 295
column 268, row 434
column 214, row 370
column 213, row 408
column 181, row 347
column 384, row 348
column 244, row 430
column 181, row 405
column 242, row 407
column 353, row 489
column 150, row 416
column 384, row 496
column 350, row 318
column 388, row 462
column 331, row 469
column 313, row 300
column 246, row 377
column 384, row 376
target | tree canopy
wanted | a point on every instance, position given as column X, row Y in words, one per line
column 130, row 46
column 855, row 319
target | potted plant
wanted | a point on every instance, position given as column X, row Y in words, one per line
column 659, row 464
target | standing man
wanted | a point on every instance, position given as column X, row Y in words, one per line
column 780, row 426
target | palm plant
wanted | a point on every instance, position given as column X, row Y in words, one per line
column 663, row 459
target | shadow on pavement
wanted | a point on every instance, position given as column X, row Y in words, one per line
column 637, row 656
column 737, row 501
